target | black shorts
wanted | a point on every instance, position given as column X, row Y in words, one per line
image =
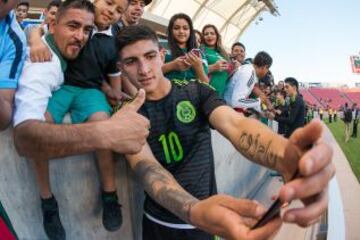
column 154, row 231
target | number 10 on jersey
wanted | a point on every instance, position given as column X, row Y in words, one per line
column 172, row 147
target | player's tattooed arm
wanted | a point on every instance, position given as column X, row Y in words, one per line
column 164, row 189
column 256, row 141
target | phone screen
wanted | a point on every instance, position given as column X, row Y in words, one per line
column 196, row 51
column 271, row 213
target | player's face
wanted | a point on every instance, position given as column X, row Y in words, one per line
column 72, row 31
column 141, row 63
column 108, row 12
column 134, row 12
column 6, row 7
column 181, row 31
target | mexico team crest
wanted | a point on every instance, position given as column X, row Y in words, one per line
column 185, row 112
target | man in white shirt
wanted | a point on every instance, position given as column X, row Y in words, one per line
column 245, row 81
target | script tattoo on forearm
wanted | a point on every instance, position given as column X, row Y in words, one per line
column 251, row 146
column 164, row 189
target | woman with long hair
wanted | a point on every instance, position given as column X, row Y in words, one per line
column 185, row 60
column 217, row 58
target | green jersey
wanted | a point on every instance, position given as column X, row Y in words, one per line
column 184, row 75
column 218, row 79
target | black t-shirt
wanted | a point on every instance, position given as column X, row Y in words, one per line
column 295, row 117
column 96, row 61
column 180, row 139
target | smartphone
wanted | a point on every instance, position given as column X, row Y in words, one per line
column 274, row 210
column 196, row 51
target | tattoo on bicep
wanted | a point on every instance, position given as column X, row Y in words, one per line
column 164, row 189
column 251, row 146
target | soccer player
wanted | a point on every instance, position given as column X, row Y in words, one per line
column 179, row 202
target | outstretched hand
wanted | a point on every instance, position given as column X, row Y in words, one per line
column 232, row 218
column 315, row 169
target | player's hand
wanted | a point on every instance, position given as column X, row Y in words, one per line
column 232, row 218
column 39, row 52
column 126, row 131
column 316, row 170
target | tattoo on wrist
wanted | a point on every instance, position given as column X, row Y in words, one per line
column 164, row 189
column 253, row 147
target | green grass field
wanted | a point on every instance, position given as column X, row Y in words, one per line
column 351, row 148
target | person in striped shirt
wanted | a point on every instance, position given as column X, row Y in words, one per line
column 244, row 83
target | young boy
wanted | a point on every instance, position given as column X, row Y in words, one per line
column 178, row 203
column 21, row 11
column 81, row 95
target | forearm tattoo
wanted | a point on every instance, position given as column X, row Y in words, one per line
column 263, row 152
column 164, row 189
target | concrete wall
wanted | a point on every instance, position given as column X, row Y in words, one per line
column 75, row 183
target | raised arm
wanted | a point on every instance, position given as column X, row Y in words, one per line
column 221, row 215
column 304, row 151
column 39, row 52
column 124, row 132
column 253, row 139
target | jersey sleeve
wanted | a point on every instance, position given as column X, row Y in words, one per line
column 36, row 84
column 209, row 99
column 11, row 63
column 112, row 69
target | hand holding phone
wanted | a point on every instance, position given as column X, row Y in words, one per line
column 274, row 210
column 196, row 51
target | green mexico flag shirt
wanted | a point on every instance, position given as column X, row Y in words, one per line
column 180, row 139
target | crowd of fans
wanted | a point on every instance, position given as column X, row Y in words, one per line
column 74, row 66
